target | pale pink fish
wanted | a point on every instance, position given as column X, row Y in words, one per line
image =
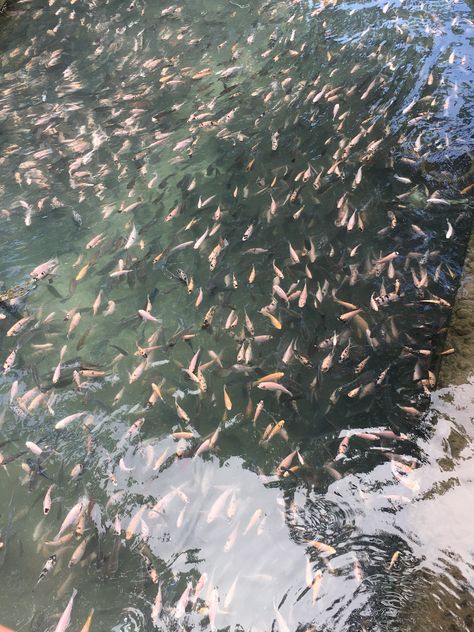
column 183, row 602
column 76, row 471
column 218, row 505
column 14, row 391
column 119, row 273
column 281, row 623
column 33, row 448
column 228, row 72
column 232, row 320
column 110, row 309
column 205, row 445
column 74, row 323
column 162, row 505
column 183, row 144
column 258, row 410
column 47, row 502
column 19, row 326
column 78, row 553
column 156, row 608
column 131, row 238
column 232, row 538
column 63, row 423
column 137, row 373
column 71, row 518
column 274, row 386
column 147, row 316
column 248, row 233
column 199, row 586
column 57, row 373
column 199, row 298
column 194, row 361
column 65, row 619
column 230, row 594
column 293, row 254
column 303, row 296
column 281, row 293
column 41, row 271
column 95, row 241
column 97, row 302
column 289, row 353
column 213, row 604
column 129, row 208
column 285, row 463
column 232, row 507
column 254, row 519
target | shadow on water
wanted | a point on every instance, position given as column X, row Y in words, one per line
column 226, row 192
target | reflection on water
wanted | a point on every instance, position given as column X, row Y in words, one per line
column 193, row 198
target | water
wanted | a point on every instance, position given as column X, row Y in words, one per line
column 227, row 120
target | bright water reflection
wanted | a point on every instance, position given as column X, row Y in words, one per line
column 273, row 168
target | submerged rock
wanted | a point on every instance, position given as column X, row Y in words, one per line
column 456, row 367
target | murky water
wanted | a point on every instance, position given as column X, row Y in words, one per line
column 249, row 176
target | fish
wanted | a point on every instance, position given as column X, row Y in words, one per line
column 180, row 608
column 71, row 518
column 19, row 326
column 213, row 606
column 9, row 361
column 44, row 269
column 289, row 220
column 66, row 421
column 88, row 622
column 47, row 567
column 47, row 501
column 156, row 608
column 274, row 386
column 218, row 506
column 131, row 238
column 65, row 618
column 322, row 547
column 78, row 553
column 282, row 625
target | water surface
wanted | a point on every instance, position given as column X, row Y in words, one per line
column 252, row 173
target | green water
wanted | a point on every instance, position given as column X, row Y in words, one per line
column 235, row 157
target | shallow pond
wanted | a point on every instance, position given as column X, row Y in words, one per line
column 231, row 238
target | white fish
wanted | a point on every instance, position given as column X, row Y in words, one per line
column 63, row 423
column 131, row 238
column 200, row 240
column 450, row 231
column 218, row 505
column 147, row 316
column 213, row 603
column 230, row 594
